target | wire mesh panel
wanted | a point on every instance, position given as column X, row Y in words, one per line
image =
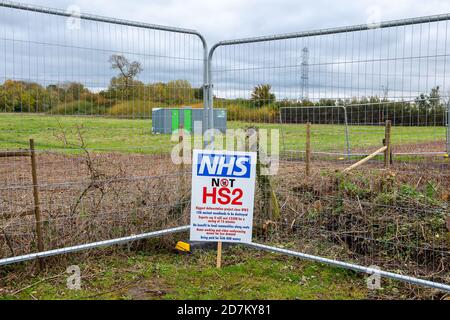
column 359, row 89
column 84, row 88
column 331, row 119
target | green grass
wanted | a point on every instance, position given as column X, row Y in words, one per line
column 134, row 135
column 332, row 137
column 245, row 275
column 54, row 132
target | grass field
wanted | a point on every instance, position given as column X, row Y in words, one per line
column 246, row 274
column 167, row 275
column 332, row 137
column 57, row 132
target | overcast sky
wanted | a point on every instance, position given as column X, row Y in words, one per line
column 400, row 62
column 223, row 19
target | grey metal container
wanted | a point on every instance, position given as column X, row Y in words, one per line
column 167, row 120
column 161, row 121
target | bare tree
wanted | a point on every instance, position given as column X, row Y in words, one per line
column 128, row 71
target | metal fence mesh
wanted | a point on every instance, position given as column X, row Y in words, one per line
column 347, row 83
column 84, row 87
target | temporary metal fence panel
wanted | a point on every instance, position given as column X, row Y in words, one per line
column 83, row 87
column 392, row 215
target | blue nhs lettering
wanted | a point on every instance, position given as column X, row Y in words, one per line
column 223, row 165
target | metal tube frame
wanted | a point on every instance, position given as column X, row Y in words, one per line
column 304, row 256
column 93, row 245
column 354, row 267
column 360, row 27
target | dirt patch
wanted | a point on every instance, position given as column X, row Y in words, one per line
column 424, row 147
column 410, row 148
column 148, row 289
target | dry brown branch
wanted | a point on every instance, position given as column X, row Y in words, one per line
column 37, row 282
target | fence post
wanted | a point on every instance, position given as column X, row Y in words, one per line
column 387, row 143
column 181, row 143
column 347, row 138
column 182, row 181
column 308, row 149
column 37, row 210
column 219, row 255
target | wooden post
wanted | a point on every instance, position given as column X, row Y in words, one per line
column 37, row 210
column 219, row 254
column 270, row 206
column 308, row 149
column 180, row 141
column 182, row 185
column 387, row 140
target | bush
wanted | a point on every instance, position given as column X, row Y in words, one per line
column 21, row 96
column 80, row 107
column 242, row 113
column 133, row 109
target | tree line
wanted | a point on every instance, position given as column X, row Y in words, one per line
column 426, row 109
column 21, row 96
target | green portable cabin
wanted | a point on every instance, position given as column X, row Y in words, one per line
column 168, row 120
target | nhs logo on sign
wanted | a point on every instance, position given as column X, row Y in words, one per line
column 223, row 165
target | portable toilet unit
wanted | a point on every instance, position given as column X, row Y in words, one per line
column 168, row 120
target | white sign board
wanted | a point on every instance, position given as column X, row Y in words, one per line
column 223, row 192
